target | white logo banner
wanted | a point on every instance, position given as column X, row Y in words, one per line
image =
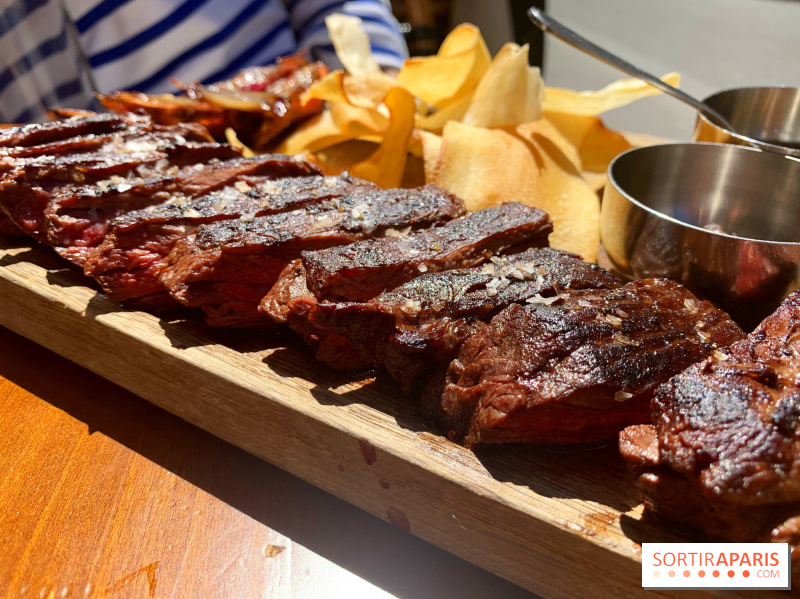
column 716, row 566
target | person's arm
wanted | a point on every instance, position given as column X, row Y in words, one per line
column 308, row 21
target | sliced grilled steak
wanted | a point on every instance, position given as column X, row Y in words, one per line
column 142, row 136
column 227, row 267
column 34, row 186
column 37, row 134
column 79, row 222
column 360, row 271
column 723, row 452
column 128, row 261
column 577, row 370
column 290, row 302
column 378, row 264
column 417, row 326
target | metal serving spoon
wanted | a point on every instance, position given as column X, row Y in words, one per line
column 549, row 25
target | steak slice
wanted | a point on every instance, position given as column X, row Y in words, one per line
column 28, row 189
column 723, row 455
column 228, row 266
column 391, row 261
column 37, row 134
column 141, row 136
column 128, row 261
column 33, row 186
column 79, row 222
column 360, row 271
column 577, row 370
column 421, row 324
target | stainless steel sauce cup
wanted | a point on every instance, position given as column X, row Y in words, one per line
column 723, row 220
column 771, row 114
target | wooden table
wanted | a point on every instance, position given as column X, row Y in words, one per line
column 105, row 495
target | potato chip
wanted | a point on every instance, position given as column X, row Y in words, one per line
column 431, row 148
column 357, row 122
column 591, row 103
column 453, row 73
column 338, row 158
column 318, row 133
column 330, row 89
column 486, row 167
column 385, row 167
column 361, row 91
column 453, row 112
column 351, row 43
column 546, row 128
column 233, row 139
column 509, row 93
column 367, row 91
column 596, row 144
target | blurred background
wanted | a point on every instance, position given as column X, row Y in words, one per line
column 714, row 44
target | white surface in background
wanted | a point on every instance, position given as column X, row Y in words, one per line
column 714, row 44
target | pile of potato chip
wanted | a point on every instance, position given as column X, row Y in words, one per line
column 483, row 128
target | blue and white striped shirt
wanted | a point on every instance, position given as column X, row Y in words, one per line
column 141, row 44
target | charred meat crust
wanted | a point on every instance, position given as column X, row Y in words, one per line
column 44, row 133
column 132, row 254
column 725, row 432
column 578, row 369
column 360, row 271
column 229, row 266
column 35, row 189
column 422, row 323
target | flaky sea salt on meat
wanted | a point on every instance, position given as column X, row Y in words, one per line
column 390, row 232
column 538, row 299
column 622, row 395
column 133, row 146
column 620, row 338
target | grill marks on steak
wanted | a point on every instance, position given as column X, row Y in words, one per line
column 130, row 258
column 38, row 134
column 367, row 268
column 421, row 324
column 255, row 196
column 577, row 370
column 80, row 223
column 725, row 435
column 360, row 271
column 229, row 266
column 142, row 136
column 35, row 188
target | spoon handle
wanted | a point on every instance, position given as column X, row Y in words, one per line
column 548, row 24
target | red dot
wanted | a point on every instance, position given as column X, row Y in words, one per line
column 686, row 573
column 671, row 573
column 746, row 573
column 701, row 573
column 715, row 573
column 731, row 573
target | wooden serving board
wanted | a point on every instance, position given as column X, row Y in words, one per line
column 562, row 522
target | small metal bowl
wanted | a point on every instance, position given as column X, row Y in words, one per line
column 770, row 114
column 723, row 220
